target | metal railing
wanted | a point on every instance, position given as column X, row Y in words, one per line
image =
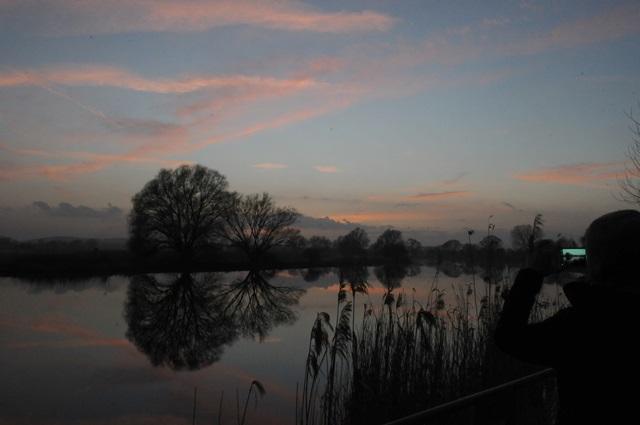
column 472, row 399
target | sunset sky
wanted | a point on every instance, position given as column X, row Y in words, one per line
column 417, row 114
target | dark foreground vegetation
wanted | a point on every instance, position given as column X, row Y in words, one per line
column 409, row 354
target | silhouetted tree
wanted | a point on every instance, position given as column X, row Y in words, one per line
column 565, row 242
column 353, row 244
column 180, row 323
column 414, row 247
column 630, row 184
column 491, row 246
column 317, row 246
column 296, row 241
column 491, row 242
column 255, row 224
column 179, row 209
column 452, row 245
column 522, row 234
column 390, row 245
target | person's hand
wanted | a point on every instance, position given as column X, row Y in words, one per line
column 545, row 258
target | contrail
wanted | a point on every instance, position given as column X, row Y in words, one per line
column 44, row 84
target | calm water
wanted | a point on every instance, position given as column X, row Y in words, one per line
column 120, row 350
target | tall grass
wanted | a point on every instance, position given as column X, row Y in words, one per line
column 407, row 354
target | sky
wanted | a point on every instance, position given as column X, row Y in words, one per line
column 426, row 116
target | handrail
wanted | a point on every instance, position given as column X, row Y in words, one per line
column 470, row 399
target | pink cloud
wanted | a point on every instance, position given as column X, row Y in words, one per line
column 382, row 217
column 89, row 163
column 289, row 15
column 172, row 144
column 330, row 169
column 438, row 196
column 106, row 16
column 575, row 174
column 611, row 24
column 270, row 166
column 108, row 76
column 359, row 80
column 284, row 119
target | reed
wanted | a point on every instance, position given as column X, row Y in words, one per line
column 406, row 354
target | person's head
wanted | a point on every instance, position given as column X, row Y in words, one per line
column 613, row 248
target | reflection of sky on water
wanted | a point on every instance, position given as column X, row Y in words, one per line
column 64, row 357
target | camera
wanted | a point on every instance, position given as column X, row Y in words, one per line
column 574, row 256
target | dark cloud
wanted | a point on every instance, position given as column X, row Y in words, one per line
column 41, row 220
column 512, row 207
column 66, row 210
column 455, row 179
column 332, row 229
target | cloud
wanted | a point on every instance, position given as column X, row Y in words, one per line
column 438, row 196
column 575, row 174
column 326, row 168
column 41, row 219
column 109, row 76
column 337, row 226
column 512, row 207
column 66, row 210
column 63, row 172
column 454, row 180
column 221, row 112
column 270, row 166
column 147, row 140
column 611, row 24
column 51, row 172
column 382, row 217
column 68, row 17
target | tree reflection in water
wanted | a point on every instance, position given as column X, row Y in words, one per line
column 179, row 324
column 257, row 306
column 185, row 323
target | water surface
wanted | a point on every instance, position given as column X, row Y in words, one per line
column 126, row 350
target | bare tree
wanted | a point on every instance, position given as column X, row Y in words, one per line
column 520, row 235
column 452, row 245
column 390, row 245
column 353, row 244
column 491, row 242
column 317, row 247
column 255, row 224
column 630, row 183
column 414, row 247
column 179, row 209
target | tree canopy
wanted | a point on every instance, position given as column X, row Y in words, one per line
column 353, row 244
column 255, row 224
column 390, row 244
column 179, row 209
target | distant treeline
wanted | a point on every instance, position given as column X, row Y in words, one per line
column 67, row 256
column 185, row 219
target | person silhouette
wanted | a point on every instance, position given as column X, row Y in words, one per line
column 591, row 344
